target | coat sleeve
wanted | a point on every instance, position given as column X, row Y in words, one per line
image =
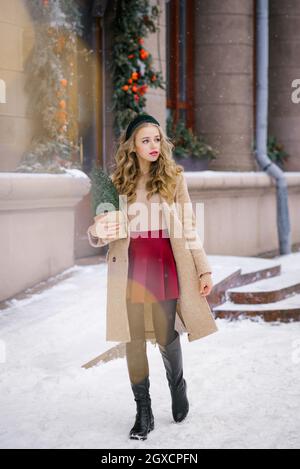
column 189, row 227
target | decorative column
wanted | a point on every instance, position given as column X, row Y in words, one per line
column 224, row 84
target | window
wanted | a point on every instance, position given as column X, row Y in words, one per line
column 180, row 59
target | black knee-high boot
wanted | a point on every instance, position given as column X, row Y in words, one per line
column 172, row 359
column 144, row 421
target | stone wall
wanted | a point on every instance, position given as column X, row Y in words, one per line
column 16, row 38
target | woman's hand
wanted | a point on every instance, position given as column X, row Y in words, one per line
column 105, row 228
column 206, row 284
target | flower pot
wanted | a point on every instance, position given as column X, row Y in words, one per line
column 192, row 163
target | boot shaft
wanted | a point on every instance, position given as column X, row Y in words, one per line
column 172, row 359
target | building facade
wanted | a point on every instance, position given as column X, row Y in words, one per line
column 206, row 52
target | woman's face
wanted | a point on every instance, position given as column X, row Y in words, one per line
column 147, row 143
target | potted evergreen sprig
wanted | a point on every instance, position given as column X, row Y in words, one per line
column 105, row 202
column 190, row 150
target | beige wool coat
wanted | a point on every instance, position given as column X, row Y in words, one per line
column 192, row 311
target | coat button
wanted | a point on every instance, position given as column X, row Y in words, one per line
column 114, row 259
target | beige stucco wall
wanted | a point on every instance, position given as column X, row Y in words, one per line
column 15, row 42
column 240, row 210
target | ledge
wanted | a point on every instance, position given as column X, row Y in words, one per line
column 207, row 180
column 42, row 190
column 37, row 217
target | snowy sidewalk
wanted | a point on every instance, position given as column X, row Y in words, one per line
column 243, row 381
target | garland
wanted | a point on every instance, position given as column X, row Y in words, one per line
column 50, row 71
column 132, row 65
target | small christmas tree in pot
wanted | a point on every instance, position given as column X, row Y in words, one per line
column 106, row 204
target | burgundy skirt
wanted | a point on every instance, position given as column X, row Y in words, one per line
column 152, row 273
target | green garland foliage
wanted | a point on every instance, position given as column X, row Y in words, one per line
column 132, row 65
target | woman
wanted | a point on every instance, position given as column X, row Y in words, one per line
column 161, row 263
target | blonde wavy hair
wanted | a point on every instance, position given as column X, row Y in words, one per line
column 163, row 171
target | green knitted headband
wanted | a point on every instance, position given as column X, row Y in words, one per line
column 137, row 121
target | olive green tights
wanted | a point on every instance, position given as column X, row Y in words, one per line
column 163, row 314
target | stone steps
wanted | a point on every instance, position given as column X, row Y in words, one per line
column 255, row 287
column 266, row 291
column 283, row 311
column 234, row 271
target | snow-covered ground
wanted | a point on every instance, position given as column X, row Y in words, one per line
column 243, row 381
